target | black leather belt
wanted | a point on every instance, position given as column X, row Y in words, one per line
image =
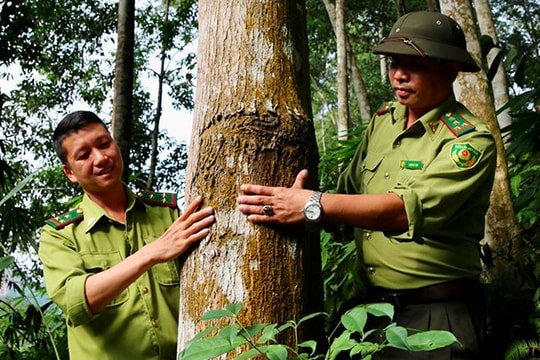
column 452, row 290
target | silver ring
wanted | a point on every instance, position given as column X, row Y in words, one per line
column 267, row 210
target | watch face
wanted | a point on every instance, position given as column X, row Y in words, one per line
column 313, row 212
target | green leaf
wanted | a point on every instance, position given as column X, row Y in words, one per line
column 397, row 337
column 251, row 353
column 208, row 348
column 342, row 343
column 276, row 352
column 251, row 331
column 268, row 334
column 200, row 335
column 310, row 344
column 311, row 316
column 17, row 188
column 216, row 315
column 431, row 340
column 355, row 319
column 381, row 309
column 365, row 349
column 5, row 261
column 515, row 183
column 287, row 325
column 230, row 333
column 231, row 310
column 234, row 308
column 272, row 352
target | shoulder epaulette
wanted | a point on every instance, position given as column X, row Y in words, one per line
column 456, row 124
column 61, row 221
column 158, row 198
column 384, row 108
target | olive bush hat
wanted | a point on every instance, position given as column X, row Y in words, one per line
column 428, row 34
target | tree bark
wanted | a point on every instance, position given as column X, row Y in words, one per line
column 499, row 83
column 123, row 81
column 252, row 124
column 473, row 90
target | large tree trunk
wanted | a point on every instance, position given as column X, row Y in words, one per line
column 499, row 83
column 473, row 90
column 123, row 81
column 252, row 124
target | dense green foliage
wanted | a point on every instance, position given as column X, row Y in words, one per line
column 64, row 56
column 353, row 339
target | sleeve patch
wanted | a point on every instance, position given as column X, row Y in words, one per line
column 61, row 221
column 456, row 124
column 464, row 155
column 159, row 198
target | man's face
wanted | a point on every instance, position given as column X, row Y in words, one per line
column 93, row 159
column 420, row 83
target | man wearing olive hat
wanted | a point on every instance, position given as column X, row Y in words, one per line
column 416, row 192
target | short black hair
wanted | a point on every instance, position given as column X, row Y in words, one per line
column 70, row 124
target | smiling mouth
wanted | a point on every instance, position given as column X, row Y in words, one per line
column 105, row 171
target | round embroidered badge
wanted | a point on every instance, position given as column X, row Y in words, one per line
column 464, row 155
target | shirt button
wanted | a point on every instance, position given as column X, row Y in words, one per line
column 386, row 175
column 145, row 290
column 155, row 324
column 371, row 270
column 396, row 144
column 368, row 235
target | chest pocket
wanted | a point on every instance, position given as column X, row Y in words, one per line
column 369, row 168
column 167, row 274
column 96, row 262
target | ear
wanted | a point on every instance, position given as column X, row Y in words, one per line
column 69, row 174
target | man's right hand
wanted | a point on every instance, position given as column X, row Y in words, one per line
column 192, row 226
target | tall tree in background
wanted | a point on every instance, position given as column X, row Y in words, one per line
column 123, row 81
column 474, row 91
column 499, row 84
column 252, row 124
column 165, row 39
column 342, row 76
column 353, row 68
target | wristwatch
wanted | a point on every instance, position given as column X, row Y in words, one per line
column 313, row 208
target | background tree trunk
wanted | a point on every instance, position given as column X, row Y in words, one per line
column 123, row 81
column 252, row 124
column 473, row 90
column 159, row 101
column 356, row 79
column 499, row 83
column 342, row 78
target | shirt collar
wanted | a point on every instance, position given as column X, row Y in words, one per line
column 93, row 213
column 400, row 111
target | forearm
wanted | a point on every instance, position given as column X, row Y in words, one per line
column 103, row 287
column 378, row 212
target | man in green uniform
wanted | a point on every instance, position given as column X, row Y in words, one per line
column 416, row 191
column 111, row 265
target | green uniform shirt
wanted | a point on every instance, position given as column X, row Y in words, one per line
column 142, row 322
column 442, row 167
